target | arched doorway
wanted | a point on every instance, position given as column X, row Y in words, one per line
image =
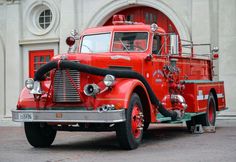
column 147, row 15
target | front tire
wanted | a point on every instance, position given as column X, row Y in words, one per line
column 146, row 126
column 130, row 132
column 39, row 134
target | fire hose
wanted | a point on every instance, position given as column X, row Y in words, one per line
column 65, row 64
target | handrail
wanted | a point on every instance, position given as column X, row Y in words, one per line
column 187, row 47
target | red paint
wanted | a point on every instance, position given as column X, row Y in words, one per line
column 161, row 79
column 136, row 121
column 37, row 59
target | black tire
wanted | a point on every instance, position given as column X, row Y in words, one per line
column 127, row 137
column 146, row 125
column 39, row 134
column 207, row 119
column 190, row 123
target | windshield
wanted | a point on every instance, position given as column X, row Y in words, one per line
column 130, row 42
column 96, row 43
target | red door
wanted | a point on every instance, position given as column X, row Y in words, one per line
column 37, row 59
column 147, row 15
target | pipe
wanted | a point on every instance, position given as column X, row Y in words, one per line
column 65, row 64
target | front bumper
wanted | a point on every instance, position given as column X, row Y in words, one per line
column 69, row 116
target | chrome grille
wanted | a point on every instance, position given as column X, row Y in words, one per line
column 65, row 82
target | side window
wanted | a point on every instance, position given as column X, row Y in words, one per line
column 156, row 46
column 37, row 59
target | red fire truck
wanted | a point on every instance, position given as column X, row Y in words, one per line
column 121, row 78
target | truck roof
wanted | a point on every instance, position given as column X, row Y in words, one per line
column 111, row 28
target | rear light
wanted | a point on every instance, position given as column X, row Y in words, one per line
column 70, row 41
column 215, row 56
column 215, row 52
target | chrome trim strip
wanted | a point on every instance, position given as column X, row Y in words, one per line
column 200, row 97
column 201, row 81
column 220, row 95
column 205, row 97
column 64, row 90
column 70, row 116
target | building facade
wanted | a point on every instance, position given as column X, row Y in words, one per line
column 32, row 31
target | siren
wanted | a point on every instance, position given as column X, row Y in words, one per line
column 118, row 19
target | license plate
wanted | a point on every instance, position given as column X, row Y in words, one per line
column 25, row 116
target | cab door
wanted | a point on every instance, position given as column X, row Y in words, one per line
column 159, row 82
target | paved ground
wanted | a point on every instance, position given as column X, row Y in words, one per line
column 161, row 143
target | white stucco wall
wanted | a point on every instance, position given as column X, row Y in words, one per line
column 2, row 61
column 12, row 57
column 227, row 45
column 2, row 78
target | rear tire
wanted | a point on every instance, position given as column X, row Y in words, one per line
column 207, row 119
column 190, row 123
column 130, row 132
column 39, row 134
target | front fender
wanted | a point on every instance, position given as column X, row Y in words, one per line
column 120, row 93
column 26, row 100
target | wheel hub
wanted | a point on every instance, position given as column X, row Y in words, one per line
column 137, row 121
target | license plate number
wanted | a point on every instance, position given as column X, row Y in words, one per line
column 26, row 116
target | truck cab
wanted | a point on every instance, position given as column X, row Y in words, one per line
column 120, row 78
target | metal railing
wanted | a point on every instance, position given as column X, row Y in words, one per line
column 186, row 48
column 201, row 50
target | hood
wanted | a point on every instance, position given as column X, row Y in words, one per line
column 131, row 61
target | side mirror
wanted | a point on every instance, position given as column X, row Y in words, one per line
column 174, row 44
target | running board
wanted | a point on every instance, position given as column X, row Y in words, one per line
column 187, row 117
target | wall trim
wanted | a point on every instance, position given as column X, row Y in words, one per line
column 103, row 14
column 38, row 41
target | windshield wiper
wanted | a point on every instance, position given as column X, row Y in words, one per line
column 123, row 45
column 88, row 48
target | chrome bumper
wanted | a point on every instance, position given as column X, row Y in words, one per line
column 69, row 116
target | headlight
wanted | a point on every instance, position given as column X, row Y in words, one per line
column 29, row 83
column 109, row 80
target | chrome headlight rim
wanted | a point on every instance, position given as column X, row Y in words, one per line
column 29, row 83
column 109, row 80
column 91, row 89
